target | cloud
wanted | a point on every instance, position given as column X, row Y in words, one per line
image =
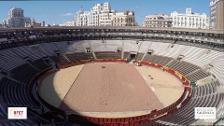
column 67, row 14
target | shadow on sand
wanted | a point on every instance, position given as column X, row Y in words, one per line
column 65, row 116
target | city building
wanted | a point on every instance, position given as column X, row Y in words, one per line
column 35, row 24
column 16, row 18
column 190, row 20
column 157, row 21
column 217, row 14
column 68, row 23
column 126, row 18
column 103, row 15
column 81, row 18
column 43, row 24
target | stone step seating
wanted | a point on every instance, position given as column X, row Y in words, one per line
column 183, row 67
column 15, row 94
column 203, row 96
column 200, row 74
column 24, row 73
column 157, row 59
column 105, row 55
column 78, row 56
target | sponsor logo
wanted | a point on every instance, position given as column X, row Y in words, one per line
column 205, row 112
column 17, row 112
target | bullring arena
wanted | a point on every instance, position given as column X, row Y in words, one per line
column 111, row 76
column 111, row 89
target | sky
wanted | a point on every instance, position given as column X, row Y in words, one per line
column 58, row 12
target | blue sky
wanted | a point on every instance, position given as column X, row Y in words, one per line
column 55, row 12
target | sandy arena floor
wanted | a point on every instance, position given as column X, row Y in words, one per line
column 54, row 87
column 166, row 86
column 110, row 89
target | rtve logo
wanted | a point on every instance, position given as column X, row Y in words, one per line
column 17, row 112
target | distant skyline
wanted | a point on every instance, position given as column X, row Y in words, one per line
column 58, row 12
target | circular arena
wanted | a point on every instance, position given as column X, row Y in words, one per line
column 129, row 76
column 116, row 90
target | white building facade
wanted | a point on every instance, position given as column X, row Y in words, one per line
column 190, row 20
column 103, row 15
column 126, row 18
column 68, row 23
column 16, row 18
column 157, row 21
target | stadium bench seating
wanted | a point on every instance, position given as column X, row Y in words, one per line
column 79, row 56
column 103, row 55
column 22, row 63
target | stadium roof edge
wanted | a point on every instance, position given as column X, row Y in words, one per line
column 122, row 28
